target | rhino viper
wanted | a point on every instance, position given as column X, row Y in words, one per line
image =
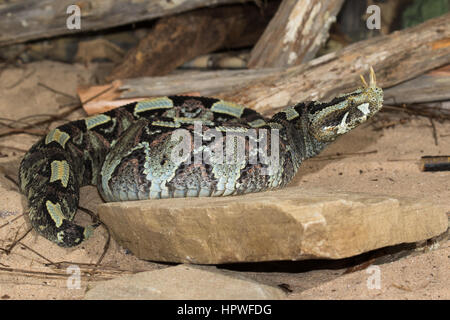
column 128, row 152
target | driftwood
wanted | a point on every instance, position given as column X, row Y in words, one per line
column 177, row 39
column 439, row 110
column 295, row 34
column 36, row 19
column 425, row 88
column 421, row 95
column 206, row 83
column 396, row 58
column 427, row 95
column 432, row 86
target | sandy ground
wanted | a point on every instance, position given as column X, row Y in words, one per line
column 378, row 161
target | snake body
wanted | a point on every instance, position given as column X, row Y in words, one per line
column 133, row 153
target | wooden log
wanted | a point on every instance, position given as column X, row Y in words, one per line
column 24, row 20
column 417, row 96
column 208, row 83
column 396, row 58
column 177, row 39
column 295, row 34
column 425, row 88
column 439, row 110
column 432, row 86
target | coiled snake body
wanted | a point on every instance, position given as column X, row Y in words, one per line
column 132, row 153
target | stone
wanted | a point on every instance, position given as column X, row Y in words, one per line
column 183, row 282
column 287, row 224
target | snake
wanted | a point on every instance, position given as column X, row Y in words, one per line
column 177, row 147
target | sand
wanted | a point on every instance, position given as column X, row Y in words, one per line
column 381, row 161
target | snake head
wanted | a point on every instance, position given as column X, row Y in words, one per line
column 345, row 112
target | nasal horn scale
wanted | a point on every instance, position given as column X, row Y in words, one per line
column 372, row 77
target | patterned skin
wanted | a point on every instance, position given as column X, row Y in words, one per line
column 128, row 153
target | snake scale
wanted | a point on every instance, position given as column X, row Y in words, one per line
column 128, row 152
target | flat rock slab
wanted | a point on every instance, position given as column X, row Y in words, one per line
column 287, row 224
column 183, row 282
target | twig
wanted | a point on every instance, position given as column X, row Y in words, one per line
column 12, row 180
column 20, row 120
column 401, row 160
column 13, row 148
column 52, row 118
column 16, row 241
column 35, row 252
column 33, row 132
column 105, row 248
column 104, row 268
column 11, row 221
column 47, row 274
column 401, row 287
column 339, row 155
column 56, row 91
column 390, row 124
column 58, row 116
column 93, row 216
column 433, row 127
column 21, row 79
column 420, row 110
